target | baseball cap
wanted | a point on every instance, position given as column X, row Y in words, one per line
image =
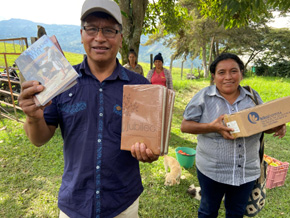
column 108, row 6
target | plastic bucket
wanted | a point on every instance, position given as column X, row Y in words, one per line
column 185, row 161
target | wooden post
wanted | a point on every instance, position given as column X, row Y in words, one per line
column 151, row 61
column 33, row 39
column 182, row 69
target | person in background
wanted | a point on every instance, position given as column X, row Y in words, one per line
column 132, row 63
column 225, row 166
column 99, row 179
column 160, row 75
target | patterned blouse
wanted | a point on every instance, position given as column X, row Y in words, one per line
column 137, row 69
column 168, row 77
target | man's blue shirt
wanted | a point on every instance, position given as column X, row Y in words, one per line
column 99, row 179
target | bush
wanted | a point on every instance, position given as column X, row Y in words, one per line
column 280, row 69
column 261, row 68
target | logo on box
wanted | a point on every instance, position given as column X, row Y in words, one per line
column 253, row 117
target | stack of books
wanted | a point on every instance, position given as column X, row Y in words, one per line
column 146, row 117
column 44, row 62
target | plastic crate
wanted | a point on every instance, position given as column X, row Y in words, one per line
column 276, row 175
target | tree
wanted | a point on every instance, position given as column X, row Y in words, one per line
column 237, row 13
column 133, row 21
column 140, row 16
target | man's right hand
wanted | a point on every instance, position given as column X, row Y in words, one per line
column 27, row 102
column 35, row 126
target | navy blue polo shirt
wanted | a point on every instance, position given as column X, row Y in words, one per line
column 99, row 179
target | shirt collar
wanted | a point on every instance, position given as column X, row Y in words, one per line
column 118, row 73
column 214, row 92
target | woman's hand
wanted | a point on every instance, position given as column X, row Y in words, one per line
column 189, row 126
column 279, row 131
column 220, row 128
column 142, row 153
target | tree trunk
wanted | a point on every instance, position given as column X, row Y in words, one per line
column 191, row 67
column 132, row 25
column 182, row 68
column 211, row 51
column 171, row 63
column 210, row 58
column 205, row 73
column 217, row 49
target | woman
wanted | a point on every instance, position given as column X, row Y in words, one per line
column 159, row 75
column 225, row 166
column 132, row 63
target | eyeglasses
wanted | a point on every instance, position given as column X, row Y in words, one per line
column 107, row 31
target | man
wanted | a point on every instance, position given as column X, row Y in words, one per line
column 99, row 179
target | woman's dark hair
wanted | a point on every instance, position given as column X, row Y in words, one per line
column 225, row 56
column 158, row 57
column 131, row 51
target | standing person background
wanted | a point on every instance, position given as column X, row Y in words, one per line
column 225, row 166
column 160, row 75
column 99, row 179
column 132, row 63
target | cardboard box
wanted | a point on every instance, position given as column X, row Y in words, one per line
column 259, row 118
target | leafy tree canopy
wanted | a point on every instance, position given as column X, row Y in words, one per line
column 237, row 13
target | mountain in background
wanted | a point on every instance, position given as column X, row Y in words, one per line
column 70, row 40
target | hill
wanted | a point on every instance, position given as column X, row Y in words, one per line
column 70, row 40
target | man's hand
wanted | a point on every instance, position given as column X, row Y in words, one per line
column 26, row 99
column 142, row 153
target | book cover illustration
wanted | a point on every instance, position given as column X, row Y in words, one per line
column 143, row 116
column 43, row 62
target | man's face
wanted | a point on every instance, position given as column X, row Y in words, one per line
column 100, row 49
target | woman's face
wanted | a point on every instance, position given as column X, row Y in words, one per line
column 158, row 64
column 132, row 59
column 227, row 76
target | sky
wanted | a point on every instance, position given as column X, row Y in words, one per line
column 48, row 12
column 63, row 12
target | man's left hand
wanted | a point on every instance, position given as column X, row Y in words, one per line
column 142, row 153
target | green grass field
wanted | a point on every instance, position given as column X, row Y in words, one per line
column 31, row 176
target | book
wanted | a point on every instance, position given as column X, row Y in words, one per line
column 44, row 62
column 170, row 98
column 146, row 117
column 56, row 43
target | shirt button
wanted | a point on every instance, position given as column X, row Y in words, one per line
column 99, row 140
column 239, row 165
column 240, row 145
column 233, row 109
column 97, row 167
column 100, row 114
column 100, row 89
column 70, row 94
column 240, row 156
column 97, row 192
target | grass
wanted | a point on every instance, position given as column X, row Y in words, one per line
column 31, row 176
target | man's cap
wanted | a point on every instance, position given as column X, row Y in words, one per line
column 108, row 6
